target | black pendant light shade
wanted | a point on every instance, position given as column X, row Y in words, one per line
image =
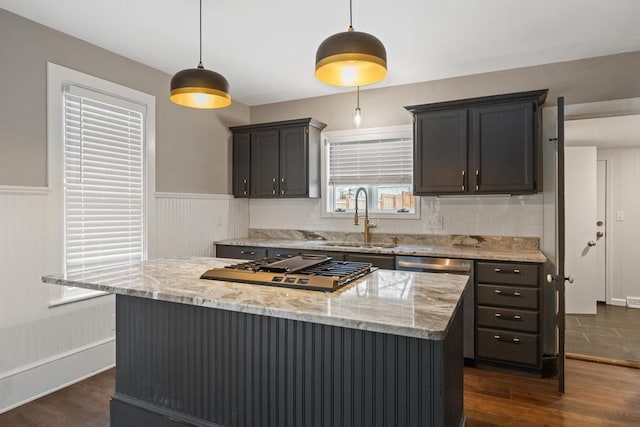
column 351, row 58
column 200, row 88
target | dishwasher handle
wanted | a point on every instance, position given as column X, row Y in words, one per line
column 435, row 267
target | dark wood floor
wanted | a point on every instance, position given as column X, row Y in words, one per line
column 596, row 395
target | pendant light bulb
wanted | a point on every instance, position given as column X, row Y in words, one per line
column 357, row 114
column 198, row 87
column 351, row 58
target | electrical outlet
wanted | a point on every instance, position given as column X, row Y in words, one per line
column 434, row 222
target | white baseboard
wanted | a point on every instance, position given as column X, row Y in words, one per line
column 36, row 381
column 618, row 301
column 633, row 302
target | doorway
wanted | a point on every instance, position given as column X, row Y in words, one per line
column 608, row 275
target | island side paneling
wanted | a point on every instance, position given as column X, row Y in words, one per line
column 180, row 364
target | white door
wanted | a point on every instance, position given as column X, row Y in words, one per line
column 580, row 229
column 601, row 236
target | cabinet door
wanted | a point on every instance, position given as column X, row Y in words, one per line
column 294, row 160
column 264, row 163
column 241, row 164
column 440, row 165
column 503, row 148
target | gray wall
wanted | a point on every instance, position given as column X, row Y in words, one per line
column 193, row 146
column 588, row 80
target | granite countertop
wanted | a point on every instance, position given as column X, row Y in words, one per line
column 402, row 303
column 432, row 250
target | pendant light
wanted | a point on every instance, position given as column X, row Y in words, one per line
column 351, row 58
column 200, row 88
column 357, row 114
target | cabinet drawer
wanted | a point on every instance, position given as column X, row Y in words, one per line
column 507, row 346
column 240, row 252
column 512, row 274
column 504, row 318
column 507, row 296
column 386, row 262
column 336, row 256
column 282, row 253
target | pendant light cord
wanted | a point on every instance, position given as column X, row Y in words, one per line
column 350, row 13
column 358, row 97
column 200, row 63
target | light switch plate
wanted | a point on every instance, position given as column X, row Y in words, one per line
column 620, row 216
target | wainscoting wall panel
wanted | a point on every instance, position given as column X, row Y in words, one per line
column 188, row 224
column 44, row 347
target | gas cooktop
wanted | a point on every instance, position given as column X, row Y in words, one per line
column 316, row 272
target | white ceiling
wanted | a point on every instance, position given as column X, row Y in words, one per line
column 604, row 132
column 266, row 48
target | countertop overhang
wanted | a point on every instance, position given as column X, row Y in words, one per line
column 420, row 305
column 461, row 252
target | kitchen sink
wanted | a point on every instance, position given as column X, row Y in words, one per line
column 359, row 245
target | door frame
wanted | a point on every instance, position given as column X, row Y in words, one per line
column 594, row 110
column 608, row 238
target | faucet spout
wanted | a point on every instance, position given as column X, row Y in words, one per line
column 367, row 224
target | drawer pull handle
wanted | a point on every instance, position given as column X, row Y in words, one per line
column 284, row 255
column 513, row 340
column 248, row 252
column 514, row 317
column 507, row 294
column 514, row 271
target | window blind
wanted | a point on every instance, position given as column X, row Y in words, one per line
column 371, row 161
column 103, row 180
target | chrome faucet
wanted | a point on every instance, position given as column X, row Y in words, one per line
column 367, row 224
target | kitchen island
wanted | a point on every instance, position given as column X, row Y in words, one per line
column 384, row 350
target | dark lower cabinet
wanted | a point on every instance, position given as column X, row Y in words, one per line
column 240, row 252
column 386, row 262
column 509, row 317
column 282, row 253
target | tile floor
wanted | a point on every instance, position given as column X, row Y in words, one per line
column 614, row 332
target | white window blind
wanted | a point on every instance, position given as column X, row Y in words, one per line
column 103, row 180
column 371, row 161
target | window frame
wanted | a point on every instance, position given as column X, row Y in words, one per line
column 57, row 78
column 387, row 132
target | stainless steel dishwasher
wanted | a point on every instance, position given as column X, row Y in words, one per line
column 449, row 266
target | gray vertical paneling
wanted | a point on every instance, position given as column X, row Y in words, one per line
column 237, row 369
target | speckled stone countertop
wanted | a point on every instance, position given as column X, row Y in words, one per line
column 402, row 303
column 455, row 250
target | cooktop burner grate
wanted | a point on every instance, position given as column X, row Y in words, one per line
column 305, row 271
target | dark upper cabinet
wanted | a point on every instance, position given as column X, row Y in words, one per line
column 283, row 159
column 264, row 162
column 294, row 162
column 440, row 164
column 503, row 146
column 241, row 159
column 481, row 145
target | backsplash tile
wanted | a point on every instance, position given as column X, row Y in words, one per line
column 484, row 215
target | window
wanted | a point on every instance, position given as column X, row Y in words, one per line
column 103, row 184
column 381, row 161
column 101, row 171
